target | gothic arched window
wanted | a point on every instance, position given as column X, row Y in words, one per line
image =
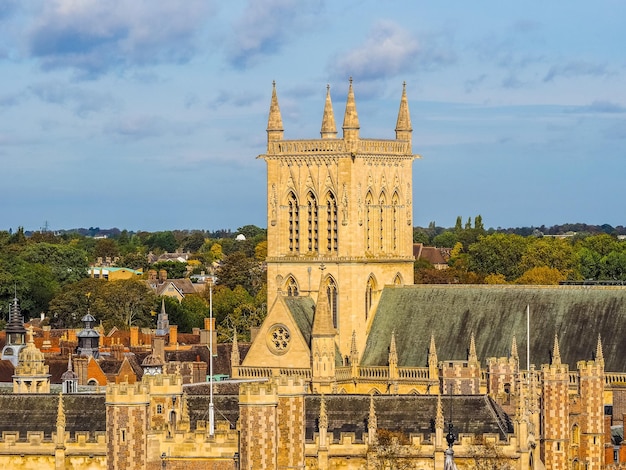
column 311, row 204
column 368, row 221
column 331, row 291
column 294, row 223
column 382, row 202
column 331, row 222
column 291, row 286
column 369, row 295
column 394, row 207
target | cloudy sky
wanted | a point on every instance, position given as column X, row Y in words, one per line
column 149, row 115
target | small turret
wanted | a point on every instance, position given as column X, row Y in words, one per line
column 16, row 334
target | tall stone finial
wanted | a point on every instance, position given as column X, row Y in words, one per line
column 432, row 349
column 599, row 352
column 403, row 125
column 329, row 128
column 514, row 353
column 323, row 418
column 393, row 350
column 323, row 424
column 351, row 118
column 275, row 129
column 472, row 357
column 556, row 353
column 439, row 419
column 372, row 422
column 354, row 352
column 60, row 412
column 185, row 408
column 234, row 354
column 433, row 362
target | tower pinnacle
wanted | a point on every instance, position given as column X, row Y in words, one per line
column 351, row 118
column 329, row 129
column 275, row 121
column 403, row 125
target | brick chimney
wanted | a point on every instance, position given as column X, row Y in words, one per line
column 173, row 335
column 134, row 336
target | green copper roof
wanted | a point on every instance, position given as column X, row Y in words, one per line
column 577, row 314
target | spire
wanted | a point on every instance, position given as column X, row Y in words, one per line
column 329, row 129
column 472, row 350
column 275, row 121
column 556, row 354
column 16, row 322
column 393, row 351
column 599, row 353
column 403, row 125
column 432, row 350
column 234, row 354
column 351, row 118
column 163, row 323
column 69, row 362
column 322, row 321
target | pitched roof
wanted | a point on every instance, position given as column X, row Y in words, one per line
column 302, row 310
column 38, row 412
column 495, row 314
column 410, row 414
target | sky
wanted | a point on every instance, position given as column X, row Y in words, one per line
column 149, row 115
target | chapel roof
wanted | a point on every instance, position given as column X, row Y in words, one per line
column 494, row 314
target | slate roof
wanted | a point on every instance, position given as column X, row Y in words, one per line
column 302, row 309
column 38, row 412
column 494, row 314
column 410, row 414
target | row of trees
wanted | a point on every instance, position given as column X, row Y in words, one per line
column 48, row 273
column 478, row 256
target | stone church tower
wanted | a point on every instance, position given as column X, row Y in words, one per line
column 342, row 204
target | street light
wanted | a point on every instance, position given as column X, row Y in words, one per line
column 211, row 278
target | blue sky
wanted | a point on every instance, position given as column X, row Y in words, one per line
column 149, row 115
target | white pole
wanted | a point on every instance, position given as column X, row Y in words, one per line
column 211, row 412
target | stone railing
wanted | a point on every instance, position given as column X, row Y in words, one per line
column 335, row 146
column 343, row 373
column 615, row 378
column 374, row 373
column 254, row 372
column 306, row 146
column 413, row 373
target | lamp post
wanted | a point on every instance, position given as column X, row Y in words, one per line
column 211, row 280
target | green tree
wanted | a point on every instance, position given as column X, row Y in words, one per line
column 548, row 252
column 498, row 254
column 237, row 269
column 68, row 264
column 105, row 247
column 175, row 269
column 445, row 239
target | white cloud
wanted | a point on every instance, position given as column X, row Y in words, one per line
column 388, row 51
column 91, row 36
